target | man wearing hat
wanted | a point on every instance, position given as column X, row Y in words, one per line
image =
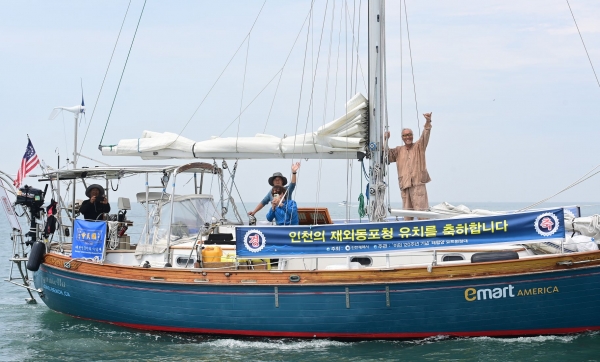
column 97, row 204
column 278, row 180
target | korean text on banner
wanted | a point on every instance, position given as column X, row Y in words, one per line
column 350, row 239
column 89, row 240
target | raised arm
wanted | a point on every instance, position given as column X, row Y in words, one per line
column 426, row 130
column 295, row 168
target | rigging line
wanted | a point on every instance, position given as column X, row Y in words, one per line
column 412, row 68
column 242, row 98
column 265, row 87
column 191, row 178
column 239, row 195
column 582, row 42
column 222, row 72
column 249, row 104
column 337, row 62
column 357, row 46
column 312, row 90
column 104, row 79
column 401, row 72
column 281, row 70
column 273, row 101
column 325, row 103
column 359, row 63
column 347, row 15
column 386, row 125
column 561, row 191
column 319, row 175
column 575, row 183
column 302, row 79
column 328, row 65
column 309, row 31
column 123, row 72
column 352, row 50
column 312, row 70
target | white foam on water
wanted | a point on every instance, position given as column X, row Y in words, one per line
column 282, row 345
column 533, row 339
column 428, row 340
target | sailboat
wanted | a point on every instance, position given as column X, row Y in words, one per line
column 195, row 271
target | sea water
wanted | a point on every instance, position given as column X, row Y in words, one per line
column 31, row 332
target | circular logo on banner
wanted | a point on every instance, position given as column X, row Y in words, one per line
column 546, row 224
column 569, row 213
column 255, row 241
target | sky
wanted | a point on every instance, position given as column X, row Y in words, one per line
column 516, row 106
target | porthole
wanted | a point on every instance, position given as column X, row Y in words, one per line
column 453, row 257
column 363, row 260
column 182, row 260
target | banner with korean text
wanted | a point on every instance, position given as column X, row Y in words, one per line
column 386, row 237
column 89, row 240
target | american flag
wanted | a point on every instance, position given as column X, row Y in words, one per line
column 28, row 163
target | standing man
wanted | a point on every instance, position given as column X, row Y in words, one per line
column 412, row 167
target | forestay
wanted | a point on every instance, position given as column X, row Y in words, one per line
column 339, row 139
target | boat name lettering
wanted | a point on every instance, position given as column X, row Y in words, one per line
column 54, row 281
column 56, row 291
column 472, row 294
column 537, row 291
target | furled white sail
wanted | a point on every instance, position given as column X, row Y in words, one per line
column 341, row 138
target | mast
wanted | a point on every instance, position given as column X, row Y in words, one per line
column 377, row 98
column 74, row 167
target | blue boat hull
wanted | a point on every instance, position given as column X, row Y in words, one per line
column 555, row 302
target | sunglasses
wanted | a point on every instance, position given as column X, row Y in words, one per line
column 407, row 135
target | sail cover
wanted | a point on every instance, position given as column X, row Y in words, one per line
column 340, row 139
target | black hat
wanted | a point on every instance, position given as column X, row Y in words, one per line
column 94, row 186
column 277, row 174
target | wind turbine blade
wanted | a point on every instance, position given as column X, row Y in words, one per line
column 54, row 113
column 82, row 102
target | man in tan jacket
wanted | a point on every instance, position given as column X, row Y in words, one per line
column 412, row 167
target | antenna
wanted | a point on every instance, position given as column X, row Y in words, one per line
column 77, row 111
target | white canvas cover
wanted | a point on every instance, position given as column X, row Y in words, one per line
column 340, row 138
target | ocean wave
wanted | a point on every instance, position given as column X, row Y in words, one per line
column 283, row 345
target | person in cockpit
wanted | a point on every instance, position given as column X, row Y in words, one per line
column 278, row 180
column 283, row 210
column 96, row 205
